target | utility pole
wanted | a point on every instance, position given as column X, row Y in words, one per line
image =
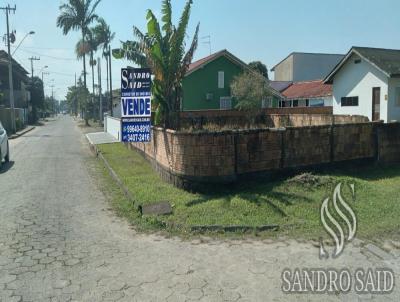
column 75, row 100
column 111, row 94
column 10, row 73
column 33, row 59
column 52, row 97
column 44, row 73
column 100, row 96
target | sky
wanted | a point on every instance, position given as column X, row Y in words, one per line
column 265, row 30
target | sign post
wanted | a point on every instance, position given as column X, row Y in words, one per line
column 136, row 105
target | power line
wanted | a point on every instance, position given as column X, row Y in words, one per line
column 45, row 48
column 62, row 74
column 48, row 56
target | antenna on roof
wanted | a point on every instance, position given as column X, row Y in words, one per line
column 207, row 40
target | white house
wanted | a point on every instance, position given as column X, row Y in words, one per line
column 367, row 82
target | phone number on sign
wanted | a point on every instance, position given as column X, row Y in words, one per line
column 137, row 128
column 137, row 138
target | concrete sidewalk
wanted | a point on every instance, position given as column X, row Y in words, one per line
column 21, row 132
column 101, row 138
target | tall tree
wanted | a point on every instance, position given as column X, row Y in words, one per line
column 37, row 97
column 77, row 97
column 104, row 36
column 162, row 49
column 89, row 46
column 259, row 67
column 77, row 15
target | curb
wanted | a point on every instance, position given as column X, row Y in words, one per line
column 233, row 228
column 194, row 229
column 16, row 135
column 112, row 173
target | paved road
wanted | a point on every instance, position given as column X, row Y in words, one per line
column 59, row 243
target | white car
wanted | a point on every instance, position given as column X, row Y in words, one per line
column 4, row 147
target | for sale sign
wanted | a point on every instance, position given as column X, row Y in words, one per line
column 136, row 130
column 136, row 104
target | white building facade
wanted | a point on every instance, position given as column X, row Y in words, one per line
column 366, row 84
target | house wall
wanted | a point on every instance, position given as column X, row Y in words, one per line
column 284, row 71
column 358, row 80
column 308, row 66
column 112, row 125
column 205, row 80
column 393, row 109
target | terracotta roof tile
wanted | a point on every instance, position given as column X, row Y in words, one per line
column 308, row 90
column 202, row 61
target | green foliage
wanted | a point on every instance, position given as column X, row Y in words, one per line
column 259, row 67
column 78, row 99
column 18, row 124
column 163, row 49
column 103, row 35
column 77, row 15
column 249, row 89
column 37, row 97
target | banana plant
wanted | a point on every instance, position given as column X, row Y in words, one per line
column 163, row 49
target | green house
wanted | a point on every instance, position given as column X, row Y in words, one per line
column 206, row 85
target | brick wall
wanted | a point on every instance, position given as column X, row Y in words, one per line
column 388, row 141
column 271, row 117
column 184, row 158
column 305, row 146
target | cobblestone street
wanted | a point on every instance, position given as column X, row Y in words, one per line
column 59, row 241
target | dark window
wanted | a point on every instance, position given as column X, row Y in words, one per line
column 295, row 103
column 349, row 101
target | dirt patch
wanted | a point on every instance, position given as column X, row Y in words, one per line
column 310, row 180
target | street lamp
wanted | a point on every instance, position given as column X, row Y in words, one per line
column 43, row 72
column 29, row 33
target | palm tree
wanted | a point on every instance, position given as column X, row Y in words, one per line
column 78, row 15
column 88, row 46
column 163, row 50
column 104, row 36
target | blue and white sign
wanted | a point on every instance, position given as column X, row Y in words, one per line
column 136, row 130
column 135, row 82
column 136, row 104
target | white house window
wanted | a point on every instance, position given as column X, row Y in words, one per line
column 349, row 101
column 302, row 103
column 397, row 96
column 285, row 104
column 225, row 103
column 267, row 103
column 221, row 79
column 317, row 103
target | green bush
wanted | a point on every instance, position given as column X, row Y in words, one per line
column 18, row 124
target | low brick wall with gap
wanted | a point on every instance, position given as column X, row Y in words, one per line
column 185, row 159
